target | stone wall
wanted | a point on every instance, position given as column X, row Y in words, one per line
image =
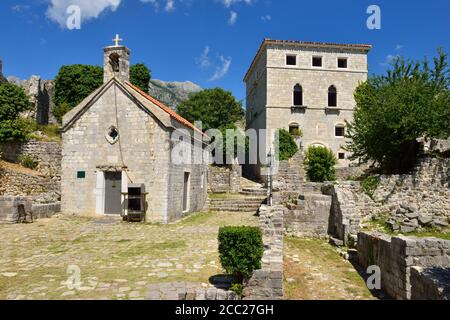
column 267, row 282
column 430, row 283
column 421, row 198
column 30, row 184
column 349, row 208
column 395, row 256
column 224, row 179
column 9, row 208
column 309, row 215
column 415, row 200
column 48, row 154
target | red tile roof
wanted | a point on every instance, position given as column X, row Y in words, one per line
column 165, row 108
column 266, row 41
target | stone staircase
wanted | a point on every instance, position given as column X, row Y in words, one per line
column 249, row 199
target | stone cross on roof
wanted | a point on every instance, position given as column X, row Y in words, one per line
column 117, row 40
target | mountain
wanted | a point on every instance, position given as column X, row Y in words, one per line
column 172, row 93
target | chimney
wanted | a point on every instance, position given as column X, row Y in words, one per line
column 116, row 62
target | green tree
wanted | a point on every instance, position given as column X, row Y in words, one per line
column 237, row 148
column 13, row 101
column 411, row 101
column 285, row 144
column 216, row 108
column 319, row 163
column 140, row 76
column 75, row 82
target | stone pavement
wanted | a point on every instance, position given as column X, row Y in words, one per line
column 116, row 260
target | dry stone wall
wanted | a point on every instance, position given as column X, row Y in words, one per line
column 36, row 187
column 397, row 255
column 267, row 282
column 430, row 283
column 224, row 179
column 48, row 154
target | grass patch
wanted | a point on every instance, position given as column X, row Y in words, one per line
column 225, row 196
column 197, row 218
column 320, row 273
column 52, row 132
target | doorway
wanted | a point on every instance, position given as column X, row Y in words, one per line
column 186, row 188
column 113, row 192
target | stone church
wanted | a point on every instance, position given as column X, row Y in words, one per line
column 118, row 149
column 307, row 86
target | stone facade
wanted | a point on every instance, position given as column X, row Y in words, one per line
column 267, row 282
column 397, row 255
column 270, row 84
column 146, row 146
column 224, row 179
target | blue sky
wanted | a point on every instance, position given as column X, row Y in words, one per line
column 209, row 42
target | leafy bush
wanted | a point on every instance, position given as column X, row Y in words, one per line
column 370, row 184
column 140, row 76
column 13, row 101
column 237, row 288
column 28, row 161
column 241, row 250
column 14, row 130
column 411, row 101
column 320, row 162
column 285, row 144
column 297, row 132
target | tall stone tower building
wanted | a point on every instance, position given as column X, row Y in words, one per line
column 307, row 86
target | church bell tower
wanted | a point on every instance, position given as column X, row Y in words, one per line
column 116, row 62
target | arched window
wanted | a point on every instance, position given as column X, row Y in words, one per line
column 332, row 96
column 294, row 129
column 298, row 95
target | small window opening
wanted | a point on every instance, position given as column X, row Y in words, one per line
column 339, row 131
column 291, row 60
column 342, row 63
column 341, row 156
column 317, row 61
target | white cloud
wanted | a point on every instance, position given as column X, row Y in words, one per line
column 222, row 70
column 229, row 3
column 90, row 9
column 20, row 7
column 266, row 18
column 170, row 5
column 204, row 60
column 390, row 58
column 233, row 18
column 399, row 47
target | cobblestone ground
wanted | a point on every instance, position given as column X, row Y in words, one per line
column 117, row 260
column 314, row 270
